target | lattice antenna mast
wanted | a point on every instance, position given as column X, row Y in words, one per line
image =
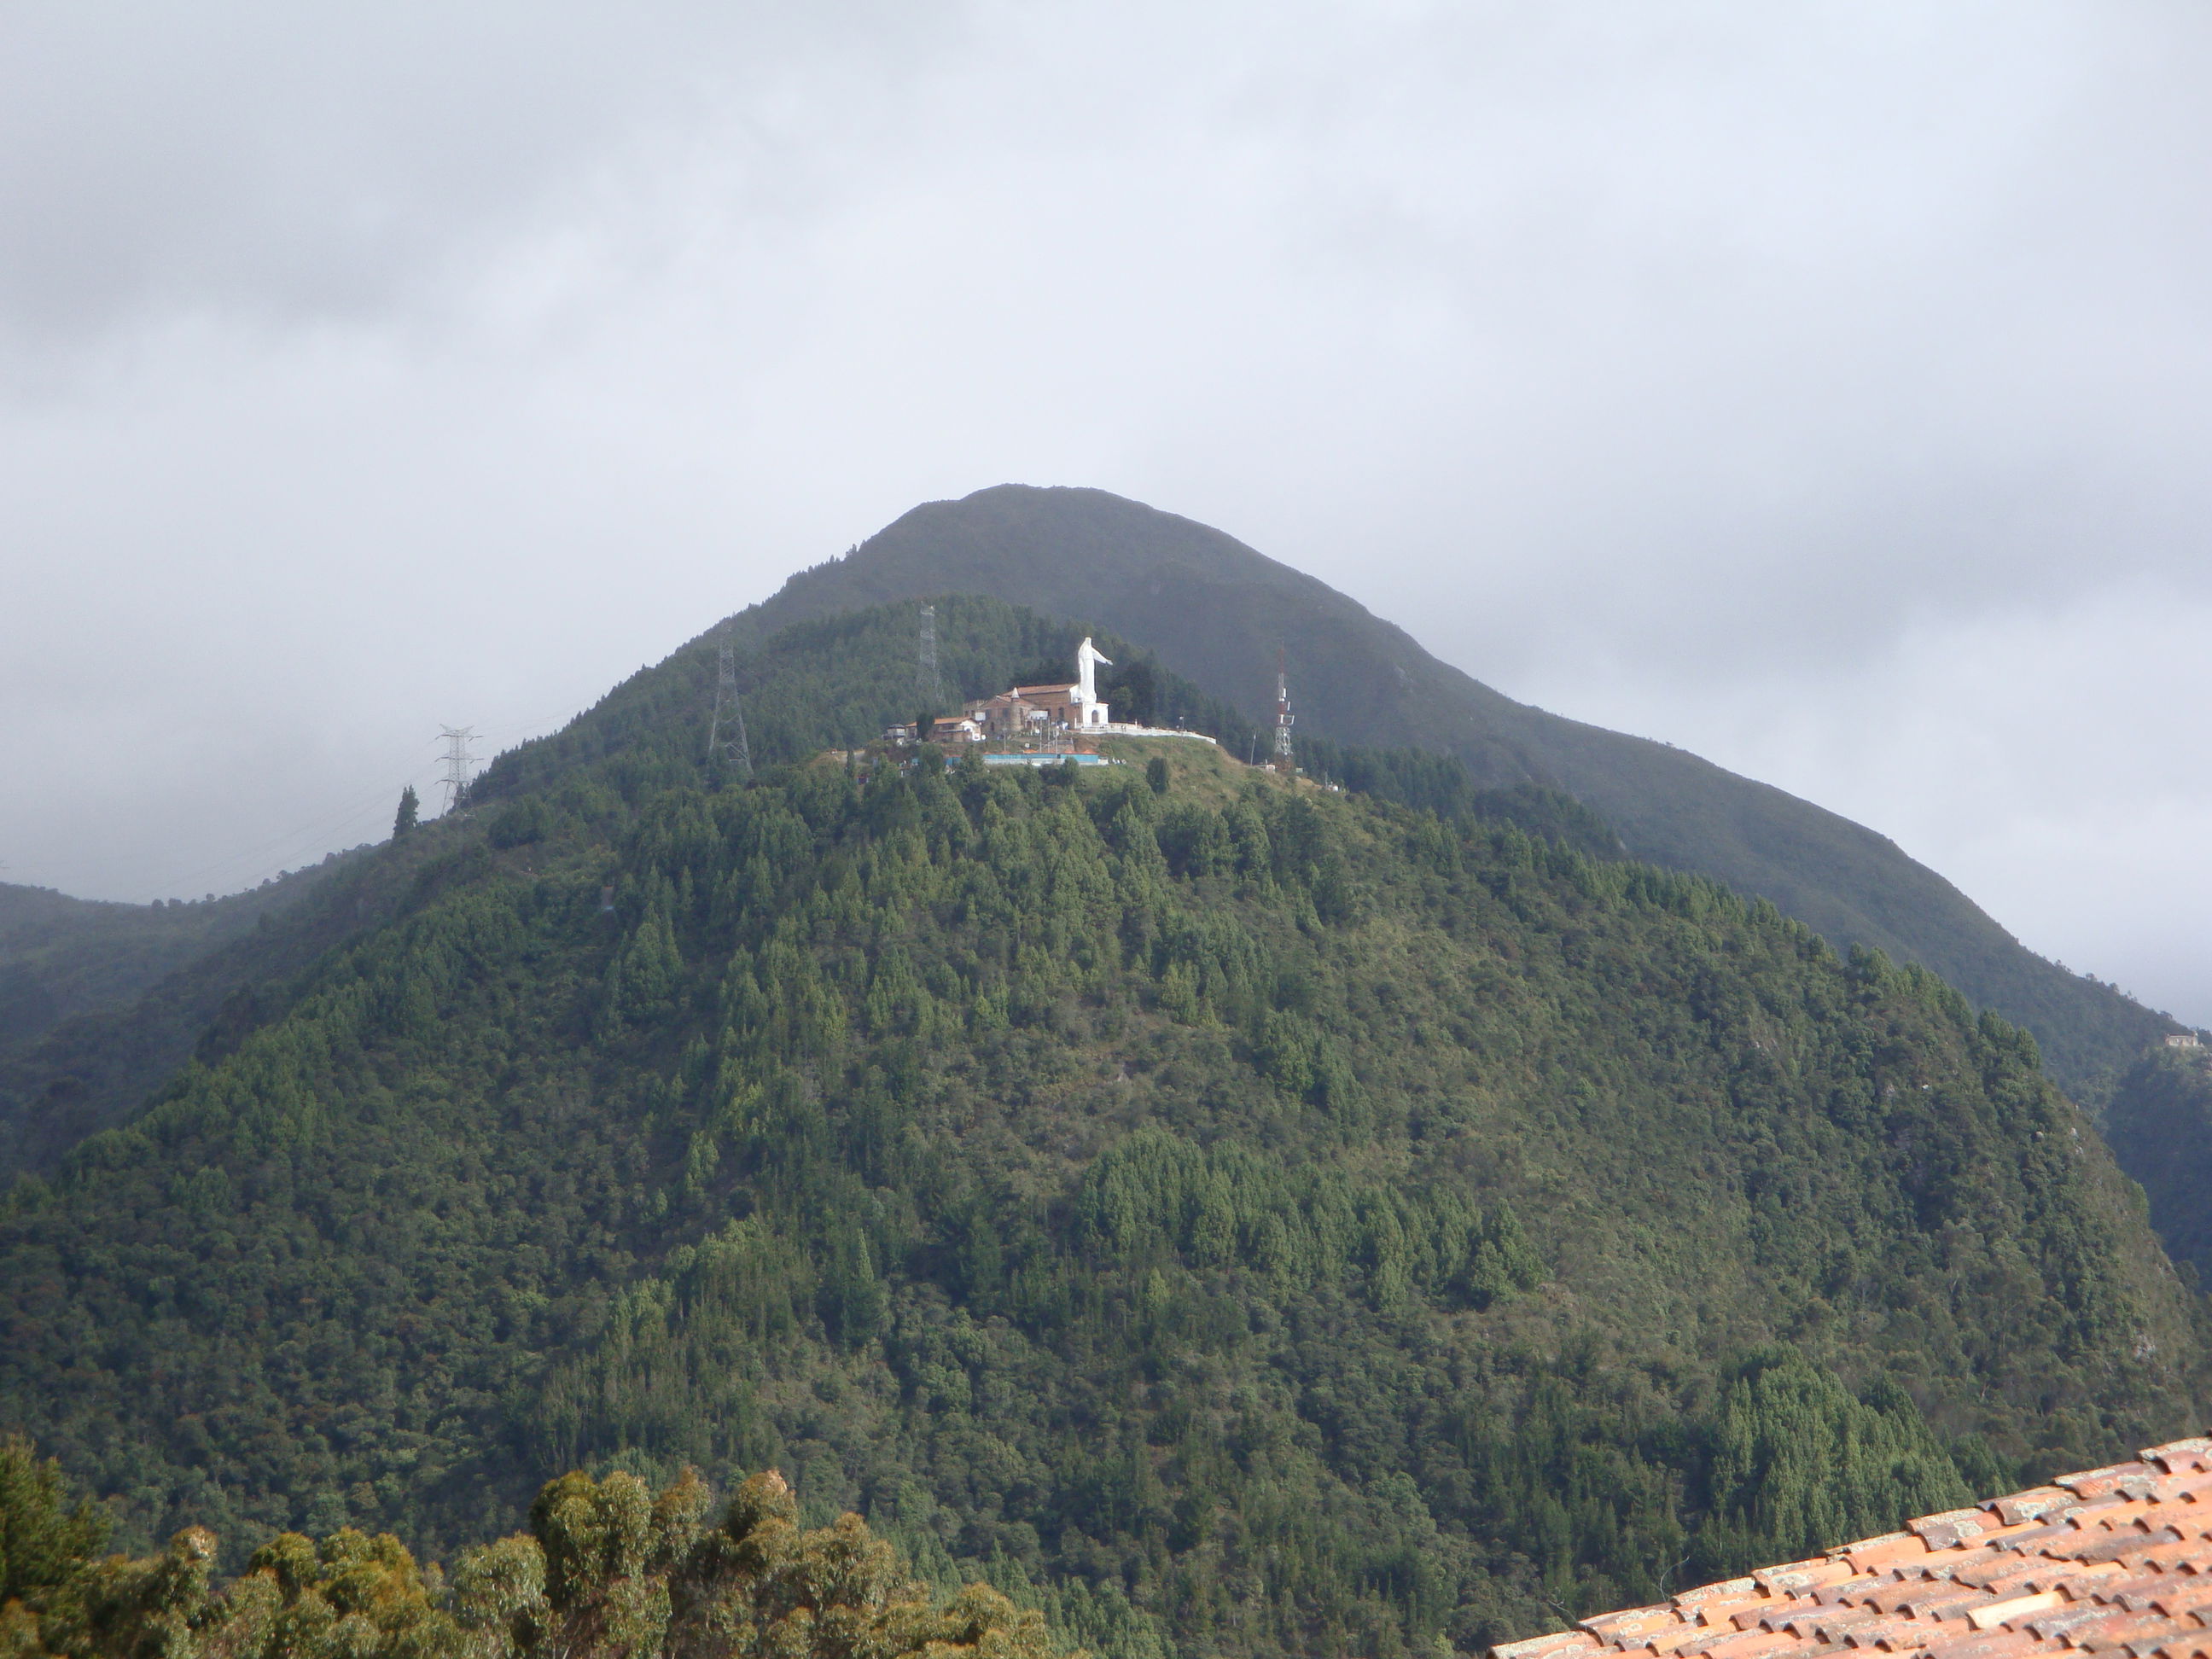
column 737, row 750
column 1284, row 719
column 925, row 666
column 460, row 764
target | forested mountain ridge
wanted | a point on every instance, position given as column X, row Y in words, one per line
column 88, row 1072
column 1217, row 611
column 63, row 958
column 1238, row 1218
column 2161, row 1126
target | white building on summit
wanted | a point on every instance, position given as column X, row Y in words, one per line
column 1069, row 708
column 1058, row 716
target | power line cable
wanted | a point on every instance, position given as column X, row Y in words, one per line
column 318, row 828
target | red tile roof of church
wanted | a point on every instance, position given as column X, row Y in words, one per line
column 2115, row 1560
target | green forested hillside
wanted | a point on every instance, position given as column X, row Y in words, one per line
column 1220, row 612
column 63, row 958
column 89, row 1070
column 2160, row 1122
column 1235, row 1218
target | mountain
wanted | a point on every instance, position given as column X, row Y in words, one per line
column 2160, row 1125
column 1218, row 611
column 171, row 990
column 1231, row 1215
column 62, row 957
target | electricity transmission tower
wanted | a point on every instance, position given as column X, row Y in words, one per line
column 738, row 752
column 460, row 764
column 925, row 668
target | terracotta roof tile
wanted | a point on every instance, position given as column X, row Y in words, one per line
column 2122, row 1630
column 2030, row 1544
column 2079, row 1622
column 1725, row 1590
column 1797, row 1576
column 2036, row 1574
column 2026, row 1505
column 2117, row 1477
column 1682, row 1635
column 1629, row 1623
column 1803, row 1621
column 1776, row 1611
column 2129, row 1589
column 2004, row 1574
column 1941, row 1532
column 2116, row 1560
column 2182, row 1599
column 1557, row 1645
column 2084, row 1582
column 2185, row 1515
column 1946, row 1601
column 1898, row 1632
column 2011, row 1609
column 2178, row 1455
column 1996, row 1644
column 2108, row 1547
column 1742, row 1645
column 1836, row 1625
column 2094, row 1508
column 1872, row 1555
column 1889, row 1595
column 2184, row 1483
column 1846, row 1592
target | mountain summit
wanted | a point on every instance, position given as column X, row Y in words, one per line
column 1217, row 611
column 1230, row 1214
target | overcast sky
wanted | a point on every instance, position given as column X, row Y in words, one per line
column 1822, row 388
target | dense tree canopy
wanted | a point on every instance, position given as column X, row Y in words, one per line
column 606, row 1570
column 1237, row 1217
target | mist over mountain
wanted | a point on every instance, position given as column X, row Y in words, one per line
column 62, row 957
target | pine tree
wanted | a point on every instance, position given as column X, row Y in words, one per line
column 410, row 812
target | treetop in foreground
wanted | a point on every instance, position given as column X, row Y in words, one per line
column 606, row 1570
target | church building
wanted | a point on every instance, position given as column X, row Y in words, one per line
column 1038, row 711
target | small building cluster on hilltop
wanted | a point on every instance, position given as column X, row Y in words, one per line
column 1058, row 721
column 1065, row 708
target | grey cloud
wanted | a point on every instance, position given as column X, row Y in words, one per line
column 1716, row 369
column 290, row 165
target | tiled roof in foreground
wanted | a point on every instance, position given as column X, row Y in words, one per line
column 2115, row 1560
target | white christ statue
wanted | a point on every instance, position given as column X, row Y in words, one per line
column 1087, row 660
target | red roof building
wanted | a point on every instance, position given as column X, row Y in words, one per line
column 2116, row 1560
column 1034, row 710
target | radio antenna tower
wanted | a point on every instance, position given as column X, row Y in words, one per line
column 925, row 668
column 460, row 765
column 737, row 751
column 1284, row 719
